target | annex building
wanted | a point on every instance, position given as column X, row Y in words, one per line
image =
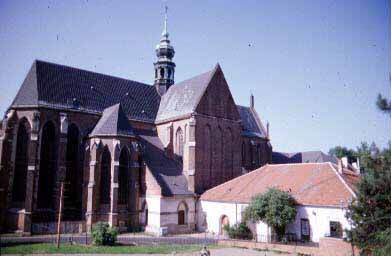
column 135, row 155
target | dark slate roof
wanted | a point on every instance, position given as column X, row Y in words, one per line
column 113, row 122
column 252, row 125
column 302, row 157
column 167, row 171
column 63, row 87
column 182, row 98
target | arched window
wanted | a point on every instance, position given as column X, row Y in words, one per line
column 105, row 176
column 20, row 173
column 182, row 214
column 73, row 178
column 161, row 72
column 179, row 144
column 123, row 178
column 47, row 167
column 169, row 74
column 155, row 73
column 144, row 215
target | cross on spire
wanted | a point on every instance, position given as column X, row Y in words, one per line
column 165, row 32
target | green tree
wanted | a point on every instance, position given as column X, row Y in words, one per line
column 275, row 207
column 339, row 151
column 370, row 211
column 383, row 104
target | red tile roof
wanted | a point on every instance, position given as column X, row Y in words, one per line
column 309, row 183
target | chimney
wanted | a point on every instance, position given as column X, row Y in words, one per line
column 340, row 167
column 345, row 162
column 356, row 166
column 252, row 101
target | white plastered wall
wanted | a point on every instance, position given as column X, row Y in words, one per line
column 210, row 213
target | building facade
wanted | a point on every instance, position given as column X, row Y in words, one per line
column 322, row 192
column 132, row 154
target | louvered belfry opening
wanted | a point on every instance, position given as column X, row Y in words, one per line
column 47, row 167
column 21, row 163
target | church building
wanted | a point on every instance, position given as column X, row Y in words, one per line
column 135, row 155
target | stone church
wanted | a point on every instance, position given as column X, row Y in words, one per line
column 135, row 155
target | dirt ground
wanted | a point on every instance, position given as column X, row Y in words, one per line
column 213, row 252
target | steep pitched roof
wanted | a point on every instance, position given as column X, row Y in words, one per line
column 113, row 122
column 302, row 157
column 317, row 184
column 167, row 172
column 182, row 98
column 252, row 125
column 57, row 86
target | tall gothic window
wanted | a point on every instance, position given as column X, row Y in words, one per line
column 123, row 178
column 228, row 155
column 73, row 176
column 243, row 154
column 169, row 74
column 258, row 154
column 179, row 142
column 47, row 167
column 105, row 176
column 20, row 173
column 207, row 157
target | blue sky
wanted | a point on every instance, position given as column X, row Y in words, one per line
column 315, row 67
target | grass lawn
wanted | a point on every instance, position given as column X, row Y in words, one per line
column 40, row 248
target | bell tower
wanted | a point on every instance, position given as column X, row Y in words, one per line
column 164, row 66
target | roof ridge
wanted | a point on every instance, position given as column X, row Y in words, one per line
column 243, row 175
column 322, row 163
column 37, row 61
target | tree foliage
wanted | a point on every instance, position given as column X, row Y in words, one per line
column 103, row 234
column 370, row 212
column 239, row 231
column 339, row 151
column 275, row 207
column 383, row 104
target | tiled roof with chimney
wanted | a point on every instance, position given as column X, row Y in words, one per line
column 317, row 184
column 113, row 123
column 62, row 87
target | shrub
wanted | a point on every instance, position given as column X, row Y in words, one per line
column 240, row 231
column 103, row 234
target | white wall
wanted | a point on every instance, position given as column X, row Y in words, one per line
column 210, row 213
column 163, row 213
column 319, row 218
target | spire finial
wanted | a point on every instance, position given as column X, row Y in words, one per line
column 165, row 32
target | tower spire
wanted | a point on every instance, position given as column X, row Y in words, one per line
column 164, row 66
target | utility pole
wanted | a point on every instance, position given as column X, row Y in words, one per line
column 59, row 215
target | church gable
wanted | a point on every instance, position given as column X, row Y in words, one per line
column 217, row 100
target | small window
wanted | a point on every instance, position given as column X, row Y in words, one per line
column 335, row 229
column 305, row 229
column 161, row 73
column 181, row 217
column 169, row 74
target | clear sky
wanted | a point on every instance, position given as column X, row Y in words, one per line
column 315, row 67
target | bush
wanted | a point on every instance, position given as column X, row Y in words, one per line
column 240, row 231
column 103, row 234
